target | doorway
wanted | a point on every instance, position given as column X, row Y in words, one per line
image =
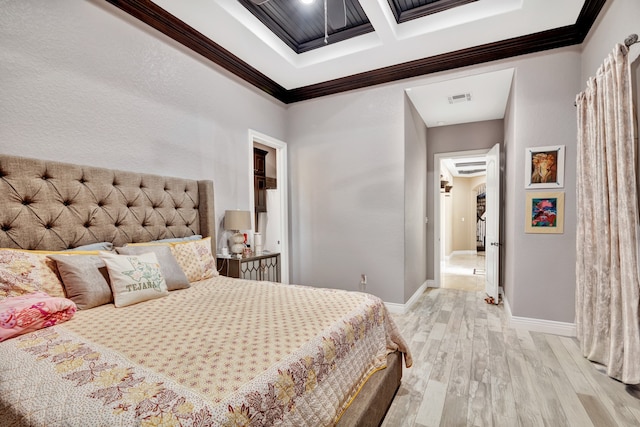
column 270, row 216
column 459, row 195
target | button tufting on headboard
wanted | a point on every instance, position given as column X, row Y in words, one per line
column 99, row 205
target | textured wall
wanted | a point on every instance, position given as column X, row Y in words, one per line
column 82, row 82
column 542, row 266
column 415, row 200
column 347, row 191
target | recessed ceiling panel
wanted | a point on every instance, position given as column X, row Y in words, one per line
column 405, row 10
column 302, row 25
column 228, row 34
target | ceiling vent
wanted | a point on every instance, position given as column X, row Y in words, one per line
column 456, row 99
column 465, row 164
column 471, row 171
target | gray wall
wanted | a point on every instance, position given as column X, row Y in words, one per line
column 346, row 155
column 83, row 82
column 540, row 268
column 415, row 200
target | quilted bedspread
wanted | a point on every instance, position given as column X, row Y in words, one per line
column 224, row 352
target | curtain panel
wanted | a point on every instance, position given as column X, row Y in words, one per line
column 607, row 283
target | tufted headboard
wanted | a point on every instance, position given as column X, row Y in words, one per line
column 50, row 205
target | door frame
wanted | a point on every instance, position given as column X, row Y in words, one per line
column 436, row 205
column 282, row 177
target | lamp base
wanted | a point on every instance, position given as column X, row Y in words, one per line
column 236, row 243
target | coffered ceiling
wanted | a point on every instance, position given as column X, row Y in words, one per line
column 279, row 46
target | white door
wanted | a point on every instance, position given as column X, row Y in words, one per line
column 492, row 246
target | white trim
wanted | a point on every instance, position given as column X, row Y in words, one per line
column 396, row 308
column 539, row 325
column 282, row 177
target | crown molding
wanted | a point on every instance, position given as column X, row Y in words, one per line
column 158, row 18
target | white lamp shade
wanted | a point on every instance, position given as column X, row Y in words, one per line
column 237, row 220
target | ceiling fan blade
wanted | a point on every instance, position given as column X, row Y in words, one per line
column 336, row 14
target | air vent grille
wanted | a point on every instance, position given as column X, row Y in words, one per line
column 471, row 171
column 463, row 97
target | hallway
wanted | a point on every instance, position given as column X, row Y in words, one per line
column 463, row 272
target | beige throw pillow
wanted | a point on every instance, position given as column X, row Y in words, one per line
column 85, row 279
column 134, row 278
column 194, row 257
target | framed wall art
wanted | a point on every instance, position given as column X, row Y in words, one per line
column 544, row 212
column 544, row 167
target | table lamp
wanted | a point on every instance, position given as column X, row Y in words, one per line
column 235, row 221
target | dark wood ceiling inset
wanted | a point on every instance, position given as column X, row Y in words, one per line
column 302, row 26
column 406, row 10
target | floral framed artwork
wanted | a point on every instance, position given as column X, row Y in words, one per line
column 544, row 212
column 544, row 167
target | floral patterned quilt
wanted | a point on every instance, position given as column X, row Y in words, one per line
column 225, row 352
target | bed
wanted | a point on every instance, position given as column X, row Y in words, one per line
column 209, row 351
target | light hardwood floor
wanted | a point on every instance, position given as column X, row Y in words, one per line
column 471, row 369
column 463, row 271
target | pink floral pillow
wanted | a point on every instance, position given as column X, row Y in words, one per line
column 30, row 312
column 23, row 272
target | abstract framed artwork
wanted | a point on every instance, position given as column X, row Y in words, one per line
column 544, row 167
column 544, row 212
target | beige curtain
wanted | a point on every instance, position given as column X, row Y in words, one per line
column 607, row 284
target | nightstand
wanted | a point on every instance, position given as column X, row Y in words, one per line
column 255, row 267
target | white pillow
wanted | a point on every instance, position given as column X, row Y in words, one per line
column 134, row 278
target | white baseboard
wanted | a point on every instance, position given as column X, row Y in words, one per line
column 396, row 308
column 539, row 325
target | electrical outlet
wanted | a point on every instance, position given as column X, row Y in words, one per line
column 363, row 282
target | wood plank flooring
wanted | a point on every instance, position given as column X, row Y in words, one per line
column 471, row 369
